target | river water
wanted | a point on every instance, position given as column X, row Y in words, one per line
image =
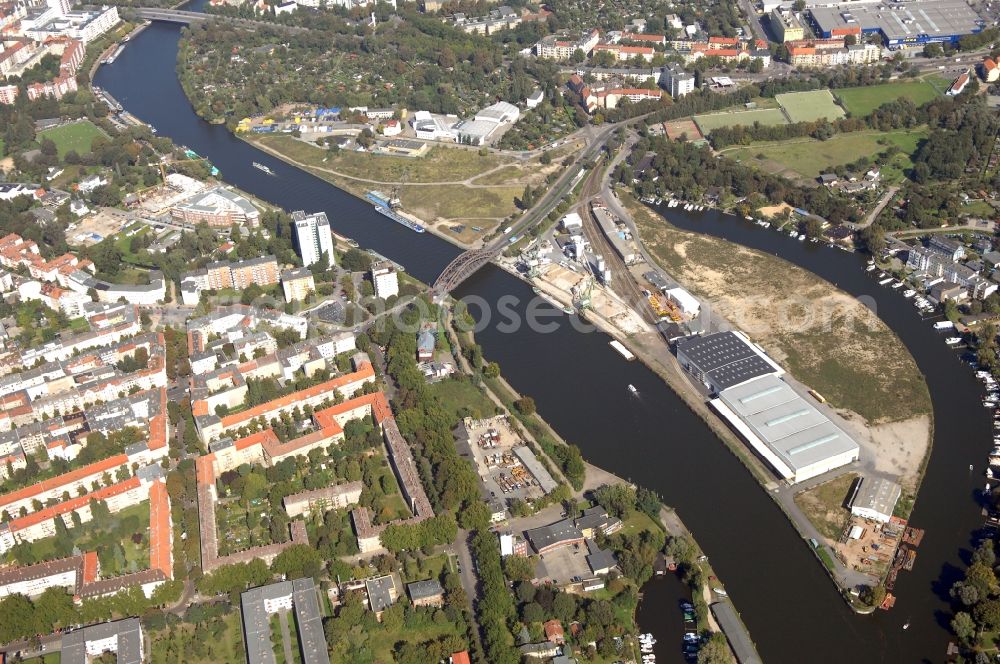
column 791, row 609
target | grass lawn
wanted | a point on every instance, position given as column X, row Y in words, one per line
column 821, row 335
column 117, row 552
column 824, row 505
column 765, row 116
column 637, row 522
column 824, row 555
column 454, row 202
column 809, row 157
column 863, row 100
column 978, row 209
column 131, row 276
column 77, row 325
column 385, row 642
column 424, row 568
column 502, row 176
column 441, row 164
column 188, row 644
column 75, row 136
column 939, row 83
column 461, row 397
column 124, row 244
column 810, row 106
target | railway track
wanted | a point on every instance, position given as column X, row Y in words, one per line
column 622, row 281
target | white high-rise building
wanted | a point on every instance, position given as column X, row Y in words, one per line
column 678, row 82
column 61, row 7
column 385, row 280
column 313, row 237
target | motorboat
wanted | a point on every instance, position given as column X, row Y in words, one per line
column 632, row 389
column 951, row 341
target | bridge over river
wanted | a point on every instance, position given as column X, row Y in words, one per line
column 188, row 18
column 466, row 264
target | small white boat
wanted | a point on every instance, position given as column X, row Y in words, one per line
column 909, row 293
column 951, row 341
column 720, row 592
column 897, row 285
column 802, row 237
column 885, row 281
column 262, row 167
column 632, row 389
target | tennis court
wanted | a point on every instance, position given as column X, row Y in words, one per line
column 683, row 127
column 810, row 106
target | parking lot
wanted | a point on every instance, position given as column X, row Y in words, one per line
column 563, row 565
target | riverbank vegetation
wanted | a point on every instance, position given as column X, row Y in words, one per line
column 825, row 338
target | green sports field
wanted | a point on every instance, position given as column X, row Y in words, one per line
column 765, row 116
column 810, row 106
column 862, row 101
column 76, row 136
column 809, row 157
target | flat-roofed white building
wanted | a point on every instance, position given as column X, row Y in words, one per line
column 797, row 440
column 684, row 300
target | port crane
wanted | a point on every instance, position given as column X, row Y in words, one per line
column 582, row 293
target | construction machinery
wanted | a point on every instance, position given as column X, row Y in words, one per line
column 582, row 292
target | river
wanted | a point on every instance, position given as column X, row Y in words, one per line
column 792, row 610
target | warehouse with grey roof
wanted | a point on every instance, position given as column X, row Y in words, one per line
column 724, row 359
column 899, row 23
column 786, row 430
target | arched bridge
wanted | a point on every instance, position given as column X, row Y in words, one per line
column 187, row 18
column 463, row 266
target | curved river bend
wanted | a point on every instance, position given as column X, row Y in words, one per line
column 792, row 610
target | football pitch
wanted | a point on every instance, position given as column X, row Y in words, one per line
column 810, row 106
column 765, row 116
column 862, row 101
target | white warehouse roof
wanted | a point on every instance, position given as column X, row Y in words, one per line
column 499, row 112
column 684, row 300
column 798, row 440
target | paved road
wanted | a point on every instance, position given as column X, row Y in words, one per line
column 873, row 215
column 467, row 573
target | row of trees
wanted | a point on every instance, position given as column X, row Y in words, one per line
column 24, row 618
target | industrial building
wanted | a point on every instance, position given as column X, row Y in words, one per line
column 796, row 439
column 786, row 25
column 724, row 359
column 875, row 499
column 899, row 24
column 258, row 604
column 788, row 432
